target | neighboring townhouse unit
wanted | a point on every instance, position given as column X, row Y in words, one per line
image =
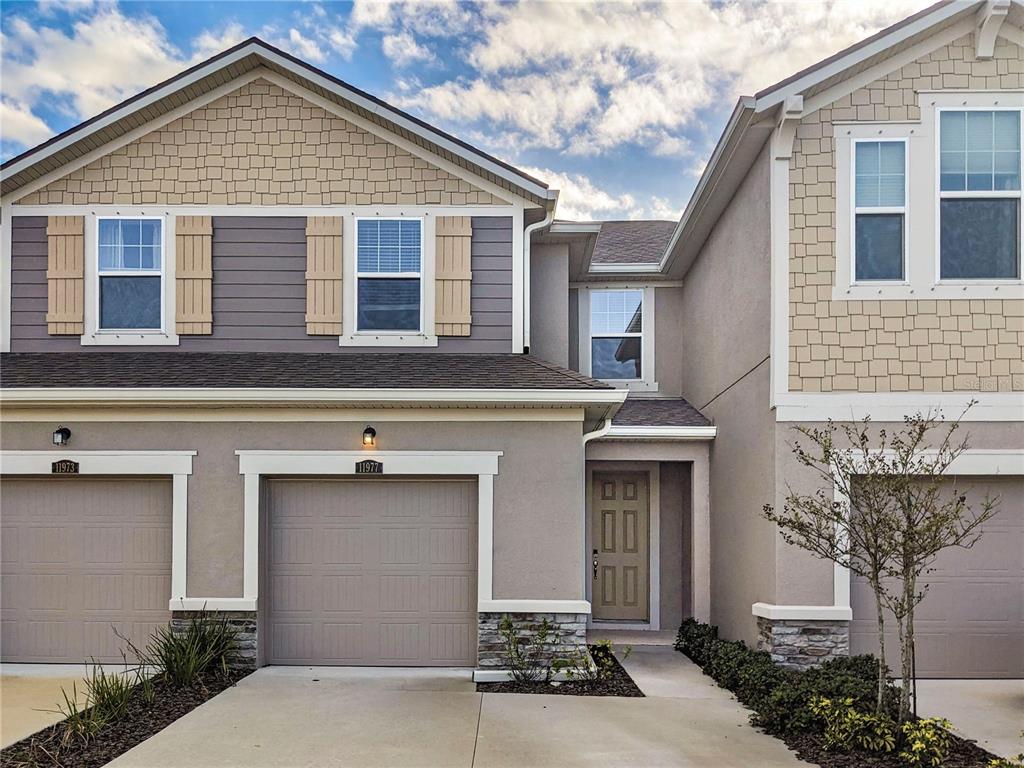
column 265, row 353
column 274, row 348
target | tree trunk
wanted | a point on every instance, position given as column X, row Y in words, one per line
column 909, row 673
column 882, row 677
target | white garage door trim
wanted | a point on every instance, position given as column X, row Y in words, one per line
column 177, row 464
column 975, row 461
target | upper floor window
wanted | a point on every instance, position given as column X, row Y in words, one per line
column 616, row 334
column 389, row 256
column 130, row 274
column 979, row 194
column 880, row 210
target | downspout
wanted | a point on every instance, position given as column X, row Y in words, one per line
column 601, row 431
column 527, row 234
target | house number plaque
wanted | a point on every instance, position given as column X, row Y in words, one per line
column 369, row 467
column 64, row 467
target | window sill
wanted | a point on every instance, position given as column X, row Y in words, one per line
column 129, row 339
column 976, row 290
column 387, row 340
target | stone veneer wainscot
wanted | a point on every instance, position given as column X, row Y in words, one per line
column 801, row 644
column 568, row 635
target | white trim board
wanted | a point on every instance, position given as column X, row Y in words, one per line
column 253, row 465
column 659, row 433
column 893, row 406
column 1007, row 463
column 176, row 464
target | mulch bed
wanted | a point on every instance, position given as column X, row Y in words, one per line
column 619, row 683
column 962, row 754
column 142, row 721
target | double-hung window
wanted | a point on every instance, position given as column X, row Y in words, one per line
column 980, row 194
column 130, row 274
column 389, row 258
column 616, row 334
column 880, row 210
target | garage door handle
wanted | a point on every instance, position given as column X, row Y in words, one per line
column 595, row 563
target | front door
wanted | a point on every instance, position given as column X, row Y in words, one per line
column 620, row 555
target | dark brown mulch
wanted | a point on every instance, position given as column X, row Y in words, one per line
column 142, row 721
column 619, row 683
column 962, row 754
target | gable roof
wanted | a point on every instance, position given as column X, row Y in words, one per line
column 755, row 117
column 632, row 242
column 228, row 65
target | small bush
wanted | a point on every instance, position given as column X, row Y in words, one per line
column 525, row 656
column 696, row 640
column 81, row 720
column 927, row 741
column 182, row 656
column 110, row 693
column 585, row 667
column 845, row 728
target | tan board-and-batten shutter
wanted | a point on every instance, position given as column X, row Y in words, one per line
column 323, row 275
column 453, row 276
column 65, row 275
column 193, row 275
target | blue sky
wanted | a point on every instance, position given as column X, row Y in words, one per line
column 616, row 104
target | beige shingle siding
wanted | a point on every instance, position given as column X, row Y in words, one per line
column 260, row 145
column 193, row 275
column 65, row 275
column 905, row 345
column 323, row 275
column 453, row 276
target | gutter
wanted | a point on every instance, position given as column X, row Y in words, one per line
column 527, row 237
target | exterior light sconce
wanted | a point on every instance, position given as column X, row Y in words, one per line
column 61, row 435
column 369, row 436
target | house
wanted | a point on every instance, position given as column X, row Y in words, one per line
column 276, row 349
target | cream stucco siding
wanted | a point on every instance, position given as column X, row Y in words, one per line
column 538, row 491
column 891, row 345
column 260, row 145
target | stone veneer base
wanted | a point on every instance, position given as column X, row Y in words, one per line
column 245, row 625
column 800, row 644
column 568, row 635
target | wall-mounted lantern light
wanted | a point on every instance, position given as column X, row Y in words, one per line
column 369, row 436
column 61, row 435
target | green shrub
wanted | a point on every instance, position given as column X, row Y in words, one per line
column 81, row 720
column 182, row 656
column 926, row 741
column 845, row 728
column 525, row 657
column 110, row 693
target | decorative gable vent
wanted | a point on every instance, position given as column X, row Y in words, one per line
column 453, row 276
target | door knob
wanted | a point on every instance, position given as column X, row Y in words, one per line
column 595, row 563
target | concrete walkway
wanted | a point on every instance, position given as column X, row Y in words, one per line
column 989, row 711
column 29, row 694
column 301, row 716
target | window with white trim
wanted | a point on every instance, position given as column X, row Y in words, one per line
column 389, row 276
column 979, row 194
column 616, row 334
column 130, row 270
column 880, row 210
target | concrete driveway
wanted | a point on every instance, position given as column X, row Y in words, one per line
column 989, row 711
column 27, row 691
column 301, row 716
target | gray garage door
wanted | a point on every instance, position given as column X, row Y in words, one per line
column 367, row 572
column 971, row 623
column 81, row 556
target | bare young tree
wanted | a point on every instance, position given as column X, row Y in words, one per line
column 886, row 507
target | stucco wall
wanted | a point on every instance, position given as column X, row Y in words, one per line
column 538, row 493
column 260, row 145
column 725, row 346
column 675, row 561
column 892, row 345
column 669, row 330
column 549, row 303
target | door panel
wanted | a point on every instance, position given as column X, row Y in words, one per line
column 620, row 540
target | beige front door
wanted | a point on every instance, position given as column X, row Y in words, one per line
column 620, row 555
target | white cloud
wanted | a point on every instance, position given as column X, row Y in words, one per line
column 303, row 47
column 17, row 123
column 342, row 41
column 431, row 18
column 402, row 49
column 580, row 198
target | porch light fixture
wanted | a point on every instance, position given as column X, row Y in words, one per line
column 61, row 435
column 369, row 436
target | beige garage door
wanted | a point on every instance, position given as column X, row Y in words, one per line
column 81, row 556
column 368, row 572
column 971, row 623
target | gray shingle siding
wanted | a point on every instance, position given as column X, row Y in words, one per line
column 259, row 292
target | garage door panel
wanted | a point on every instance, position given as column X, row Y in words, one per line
column 971, row 622
column 395, row 584
column 91, row 554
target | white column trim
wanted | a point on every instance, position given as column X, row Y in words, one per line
column 253, row 465
column 6, row 261
column 176, row 464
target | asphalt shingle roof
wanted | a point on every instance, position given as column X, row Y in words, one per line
column 658, row 412
column 632, row 242
column 410, row 370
